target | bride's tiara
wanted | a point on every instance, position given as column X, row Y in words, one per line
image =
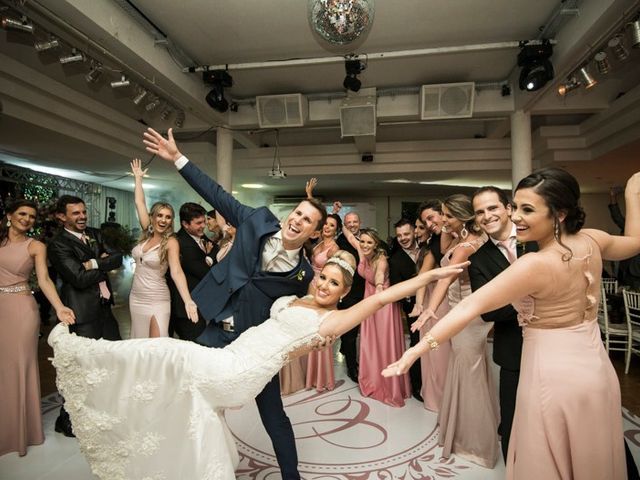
column 342, row 264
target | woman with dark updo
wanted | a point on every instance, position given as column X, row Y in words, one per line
column 568, row 422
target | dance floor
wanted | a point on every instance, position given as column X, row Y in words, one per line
column 340, row 435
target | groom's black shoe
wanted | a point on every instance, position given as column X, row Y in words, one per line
column 417, row 396
column 352, row 373
column 63, row 426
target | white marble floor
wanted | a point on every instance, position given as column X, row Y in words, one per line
column 340, row 435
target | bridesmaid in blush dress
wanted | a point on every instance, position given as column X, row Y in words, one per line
column 320, row 372
column 468, row 415
column 381, row 335
column 20, row 417
column 158, row 250
column 568, row 421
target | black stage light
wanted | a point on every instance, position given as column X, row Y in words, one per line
column 219, row 79
column 353, row 68
column 215, row 98
column 537, row 69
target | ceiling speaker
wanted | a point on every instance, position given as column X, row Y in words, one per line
column 447, row 100
column 275, row 111
column 358, row 116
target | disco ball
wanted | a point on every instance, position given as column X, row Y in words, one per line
column 341, row 22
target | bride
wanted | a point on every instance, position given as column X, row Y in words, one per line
column 153, row 408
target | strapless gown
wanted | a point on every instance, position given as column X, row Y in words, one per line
column 152, row 408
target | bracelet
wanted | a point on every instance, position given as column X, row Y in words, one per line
column 432, row 342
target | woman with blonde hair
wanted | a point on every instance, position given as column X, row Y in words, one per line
column 169, row 395
column 157, row 250
column 381, row 335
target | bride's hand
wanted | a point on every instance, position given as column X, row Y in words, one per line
column 401, row 366
column 422, row 319
column 192, row 311
column 448, row 271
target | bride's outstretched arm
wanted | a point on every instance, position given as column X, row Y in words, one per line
column 527, row 276
column 342, row 321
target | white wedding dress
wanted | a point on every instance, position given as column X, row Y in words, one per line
column 151, row 409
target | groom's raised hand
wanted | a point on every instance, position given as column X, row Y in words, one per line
column 165, row 148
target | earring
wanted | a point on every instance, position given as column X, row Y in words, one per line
column 340, row 301
column 464, row 233
column 556, row 229
column 150, row 228
column 8, row 223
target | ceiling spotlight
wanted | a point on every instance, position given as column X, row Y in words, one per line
column 73, row 57
column 123, row 82
column 139, row 97
column 179, row 120
column 166, row 112
column 152, row 105
column 42, row 46
column 219, row 79
column 634, row 27
column 94, row 74
column 353, row 68
column 568, row 86
column 537, row 69
column 602, row 63
column 9, row 23
column 587, row 79
column 618, row 48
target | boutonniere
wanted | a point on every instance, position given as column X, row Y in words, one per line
column 521, row 246
column 300, row 275
column 91, row 241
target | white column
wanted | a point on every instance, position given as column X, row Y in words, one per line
column 521, row 156
column 224, row 156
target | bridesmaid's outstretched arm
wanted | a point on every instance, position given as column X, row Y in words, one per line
column 341, row 321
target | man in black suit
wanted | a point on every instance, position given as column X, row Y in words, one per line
column 197, row 256
column 348, row 340
column 265, row 263
column 493, row 214
column 402, row 266
column 82, row 262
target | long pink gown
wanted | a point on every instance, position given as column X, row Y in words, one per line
column 149, row 295
column 434, row 364
column 381, row 343
column 20, row 417
column 568, row 422
column 320, row 372
column 469, row 414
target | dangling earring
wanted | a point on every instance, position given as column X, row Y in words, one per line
column 340, row 301
column 464, row 233
column 150, row 229
column 556, row 229
column 8, row 223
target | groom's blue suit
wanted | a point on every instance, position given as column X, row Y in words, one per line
column 237, row 287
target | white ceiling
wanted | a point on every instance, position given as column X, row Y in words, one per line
column 52, row 117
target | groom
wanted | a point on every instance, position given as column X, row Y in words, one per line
column 265, row 263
